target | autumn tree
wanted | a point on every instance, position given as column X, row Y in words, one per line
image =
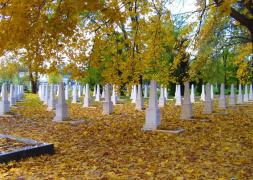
column 239, row 13
column 9, row 70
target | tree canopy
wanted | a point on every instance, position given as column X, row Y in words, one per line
column 126, row 42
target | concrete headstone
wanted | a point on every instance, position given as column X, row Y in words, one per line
column 152, row 113
column 208, row 102
column 4, row 104
column 232, row 95
column 192, row 94
column 139, row 100
column 51, row 101
column 61, row 106
column 222, row 99
column 186, row 108
column 107, row 104
column 86, row 100
column 239, row 96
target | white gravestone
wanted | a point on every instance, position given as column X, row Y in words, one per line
column 162, row 100
column 74, row 94
column 250, row 92
column 4, row 104
column 239, row 96
column 61, row 106
column 202, row 96
column 212, row 93
column 165, row 93
column 12, row 98
column 232, row 96
column 51, row 101
column 134, row 94
column 97, row 93
column 246, row 95
column 107, row 104
column 46, row 94
column 66, row 92
column 114, row 97
column 222, row 99
column 139, row 101
column 145, row 91
column 208, row 103
column 186, row 108
column 152, row 113
column 178, row 96
column 86, row 100
column 192, row 94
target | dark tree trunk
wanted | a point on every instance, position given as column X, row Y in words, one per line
column 34, row 86
column 34, row 81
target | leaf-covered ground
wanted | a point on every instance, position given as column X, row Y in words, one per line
column 114, row 147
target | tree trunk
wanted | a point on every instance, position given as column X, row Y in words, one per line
column 34, row 81
column 34, row 86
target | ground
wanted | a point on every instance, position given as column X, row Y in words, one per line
column 115, row 147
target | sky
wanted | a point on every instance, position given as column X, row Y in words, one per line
column 182, row 6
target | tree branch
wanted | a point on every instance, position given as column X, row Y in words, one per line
column 242, row 19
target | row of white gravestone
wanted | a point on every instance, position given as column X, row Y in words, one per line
column 16, row 94
column 208, row 94
column 246, row 97
column 137, row 98
column 135, row 95
column 77, row 92
column 99, row 96
column 135, row 89
column 152, row 114
column 44, row 93
column 233, row 101
column 178, row 96
column 61, row 105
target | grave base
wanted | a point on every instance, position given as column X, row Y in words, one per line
column 220, row 113
column 174, row 131
column 32, row 149
column 73, row 122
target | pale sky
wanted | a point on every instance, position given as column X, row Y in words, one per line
column 182, row 6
